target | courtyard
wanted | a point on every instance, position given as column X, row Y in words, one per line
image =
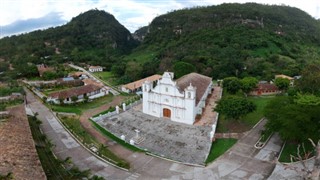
column 188, row 144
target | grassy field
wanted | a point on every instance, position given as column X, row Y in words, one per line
column 290, row 148
column 53, row 167
column 219, row 147
column 76, row 128
column 246, row 122
column 108, row 77
column 113, row 137
column 79, row 108
column 252, row 118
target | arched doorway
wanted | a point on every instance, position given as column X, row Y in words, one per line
column 166, row 113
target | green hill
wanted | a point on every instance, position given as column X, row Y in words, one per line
column 218, row 41
column 231, row 40
column 94, row 37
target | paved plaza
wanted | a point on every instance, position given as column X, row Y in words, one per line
column 160, row 136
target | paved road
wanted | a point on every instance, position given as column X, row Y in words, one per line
column 242, row 161
column 113, row 90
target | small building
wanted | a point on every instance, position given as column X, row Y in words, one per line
column 136, row 85
column 265, row 89
column 42, row 68
column 95, row 69
column 89, row 81
column 291, row 79
column 179, row 100
column 79, row 75
column 89, row 91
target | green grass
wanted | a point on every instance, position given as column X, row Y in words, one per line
column 52, row 167
column 252, row 118
column 107, row 76
column 247, row 122
column 219, row 147
column 76, row 128
column 290, row 148
column 79, row 108
column 115, row 138
column 141, row 56
column 4, row 105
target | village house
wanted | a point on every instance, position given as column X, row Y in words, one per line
column 90, row 91
column 136, row 85
column 95, row 69
column 179, row 100
column 79, row 75
column 89, row 81
column 265, row 88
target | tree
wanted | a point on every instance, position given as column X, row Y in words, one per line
column 282, row 83
column 293, row 121
column 234, row 107
column 231, row 84
column 133, row 70
column 310, row 80
column 248, row 84
column 182, row 68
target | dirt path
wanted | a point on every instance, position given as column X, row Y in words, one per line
column 84, row 119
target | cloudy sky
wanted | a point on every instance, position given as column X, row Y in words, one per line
column 18, row 16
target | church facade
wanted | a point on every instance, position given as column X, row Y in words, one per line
column 179, row 100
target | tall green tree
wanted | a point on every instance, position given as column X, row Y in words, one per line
column 235, row 107
column 182, row 68
column 231, row 84
column 293, row 121
column 248, row 84
column 282, row 83
column 310, row 80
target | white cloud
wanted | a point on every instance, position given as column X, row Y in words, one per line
column 130, row 13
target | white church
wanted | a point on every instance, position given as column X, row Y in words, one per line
column 179, row 100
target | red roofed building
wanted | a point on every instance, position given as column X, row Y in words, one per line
column 91, row 91
column 265, row 89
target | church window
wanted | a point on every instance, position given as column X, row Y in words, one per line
column 166, row 89
column 189, row 94
column 166, row 100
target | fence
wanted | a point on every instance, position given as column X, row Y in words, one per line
column 110, row 114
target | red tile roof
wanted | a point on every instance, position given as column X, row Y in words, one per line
column 74, row 91
column 137, row 84
column 267, row 87
column 199, row 81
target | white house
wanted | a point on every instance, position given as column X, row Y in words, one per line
column 179, row 100
column 80, row 93
column 95, row 69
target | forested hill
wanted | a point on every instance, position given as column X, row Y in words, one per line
column 230, row 40
column 95, row 37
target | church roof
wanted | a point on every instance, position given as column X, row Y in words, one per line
column 199, row 81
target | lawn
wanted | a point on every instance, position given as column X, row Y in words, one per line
column 79, row 108
column 247, row 122
column 290, row 148
column 252, row 118
column 219, row 147
column 107, row 76
column 76, row 128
